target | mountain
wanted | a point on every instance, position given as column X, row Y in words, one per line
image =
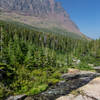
column 43, row 14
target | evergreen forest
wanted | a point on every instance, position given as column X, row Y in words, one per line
column 31, row 60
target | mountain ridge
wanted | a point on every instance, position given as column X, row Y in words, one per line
column 41, row 13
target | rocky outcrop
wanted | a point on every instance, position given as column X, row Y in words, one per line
column 34, row 7
column 91, row 91
column 70, row 82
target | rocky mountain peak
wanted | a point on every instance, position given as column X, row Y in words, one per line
column 48, row 9
column 33, row 7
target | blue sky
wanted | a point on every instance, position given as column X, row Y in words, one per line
column 86, row 14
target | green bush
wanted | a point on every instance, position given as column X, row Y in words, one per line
column 84, row 66
column 38, row 89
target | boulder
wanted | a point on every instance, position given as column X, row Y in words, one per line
column 97, row 69
column 18, row 97
column 73, row 71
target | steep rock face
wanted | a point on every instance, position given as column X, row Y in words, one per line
column 34, row 7
column 47, row 9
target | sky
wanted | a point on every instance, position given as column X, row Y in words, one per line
column 86, row 14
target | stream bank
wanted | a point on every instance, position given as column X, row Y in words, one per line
column 70, row 82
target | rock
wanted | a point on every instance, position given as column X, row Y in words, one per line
column 91, row 91
column 91, row 65
column 28, row 98
column 72, row 97
column 18, row 97
column 97, row 69
column 78, row 61
column 69, row 97
column 81, row 74
column 73, row 71
column 80, row 97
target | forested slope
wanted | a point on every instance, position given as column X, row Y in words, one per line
column 31, row 60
